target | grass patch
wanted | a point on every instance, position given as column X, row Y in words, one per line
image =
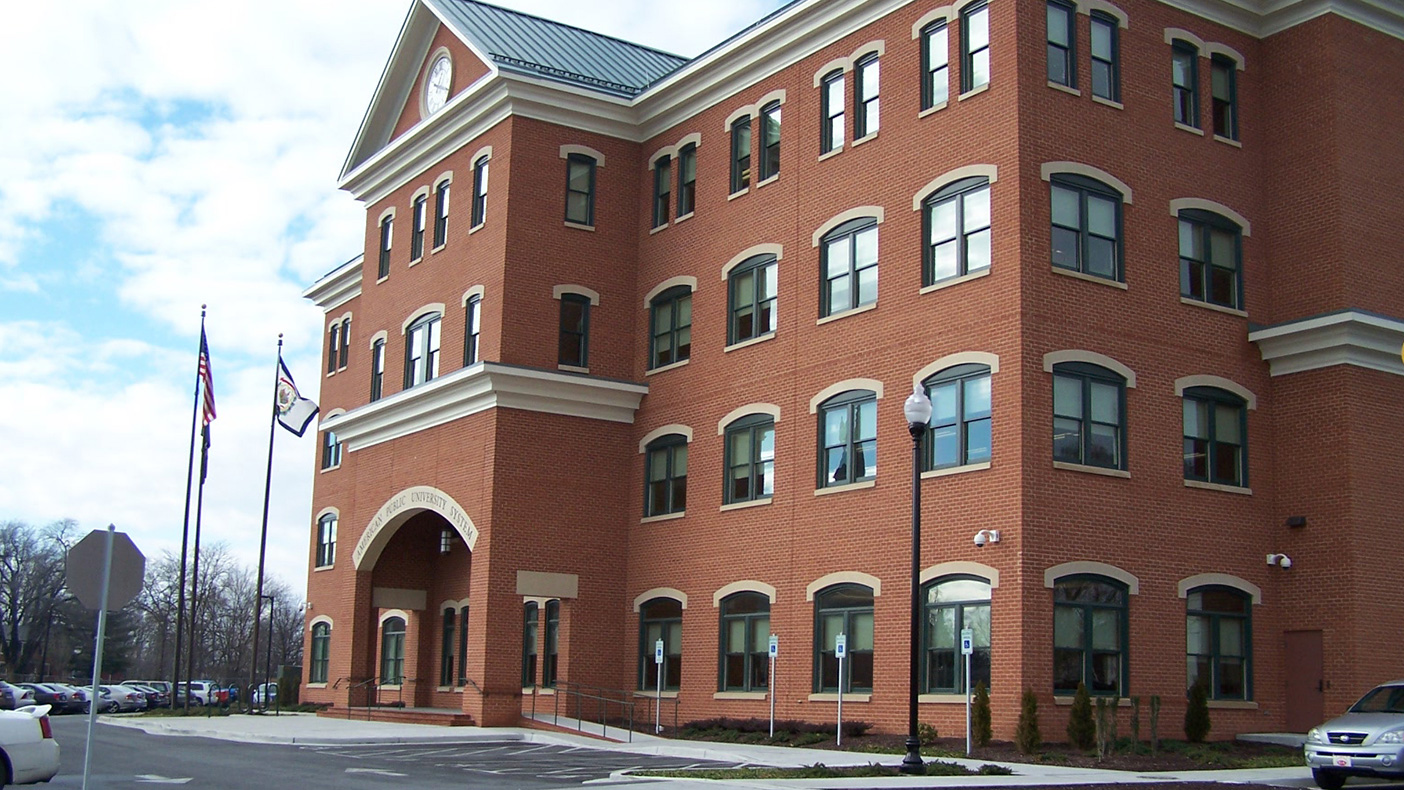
column 821, row 771
column 202, row 712
column 1225, row 754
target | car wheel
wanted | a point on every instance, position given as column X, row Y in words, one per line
column 113, row 707
column 1327, row 779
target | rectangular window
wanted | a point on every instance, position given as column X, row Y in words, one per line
column 935, row 61
column 326, row 541
column 386, row 232
column 1210, row 252
column 1088, row 423
column 1214, row 437
column 865, row 97
column 480, row 188
column 1224, row 79
column 1086, row 231
column 958, row 228
column 529, row 624
column 377, row 370
column 1184, row 76
column 441, row 206
column 666, row 482
column 1062, row 35
column 574, row 331
column 321, row 653
column 850, row 255
column 750, row 459
column 331, row 450
column 580, row 190
column 333, row 346
column 421, row 210
column 472, row 323
column 974, row 47
column 1106, row 58
column 662, row 190
column 740, row 154
column 959, row 432
column 687, row 180
column 446, row 649
column 553, row 629
column 752, row 287
column 848, row 439
column 345, row 343
column 422, row 351
column 770, row 141
column 462, row 679
column 831, row 97
column 672, row 327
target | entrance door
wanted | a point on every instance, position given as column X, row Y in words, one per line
column 1305, row 698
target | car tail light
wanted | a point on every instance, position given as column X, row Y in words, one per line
column 44, row 727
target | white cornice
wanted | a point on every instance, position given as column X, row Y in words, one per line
column 1349, row 337
column 1263, row 18
column 480, row 387
column 338, row 287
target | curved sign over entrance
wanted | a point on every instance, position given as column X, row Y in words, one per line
column 397, row 510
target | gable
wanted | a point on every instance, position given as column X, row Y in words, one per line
column 468, row 68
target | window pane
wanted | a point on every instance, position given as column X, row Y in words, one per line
column 943, row 261
column 866, row 427
column 680, row 460
column 1067, row 440
column 1101, row 216
column 1106, row 630
column 835, row 97
column 862, row 636
column 1103, row 446
column 579, row 177
column 740, row 447
column 1181, row 67
column 1191, row 244
column 943, row 627
column 977, row 441
column 977, row 397
column 1057, row 25
column 945, row 446
column 937, row 47
column 1196, row 418
column 1067, row 207
column 577, row 207
column 1101, row 77
column 979, row 35
column 1196, row 635
column 943, row 403
column 1222, row 286
column 977, row 209
column 835, row 426
column 867, row 285
column 839, row 298
column 1230, row 636
column 1067, row 397
column 865, row 248
column 1065, row 248
column 1101, row 257
column 943, row 221
column 767, row 283
column 1101, row 40
column 1226, row 423
column 980, row 67
column 977, row 251
column 1105, row 402
column 838, row 254
column 1067, row 627
column 760, row 635
column 1223, row 248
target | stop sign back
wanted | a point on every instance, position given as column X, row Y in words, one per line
column 84, row 572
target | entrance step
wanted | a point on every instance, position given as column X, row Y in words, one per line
column 441, row 717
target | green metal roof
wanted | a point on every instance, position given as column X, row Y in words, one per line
column 530, row 44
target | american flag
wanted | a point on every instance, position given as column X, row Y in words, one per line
column 206, row 379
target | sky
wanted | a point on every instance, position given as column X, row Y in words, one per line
column 161, row 155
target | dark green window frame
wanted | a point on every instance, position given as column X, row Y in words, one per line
column 951, row 603
column 326, row 540
column 662, row 190
column 740, row 154
column 480, row 188
column 687, row 180
column 462, row 679
column 1082, row 432
column 750, row 459
column 580, row 189
column 422, row 349
column 770, row 141
column 848, row 438
column 331, row 450
column 1086, row 226
column 956, row 224
column 1216, row 436
column 321, row 653
column 974, row 46
column 377, row 388
column 751, row 292
column 843, row 609
column 960, row 429
column 670, row 316
column 1223, row 81
column 1062, row 44
column 660, row 618
column 345, row 343
column 1098, row 655
column 831, row 90
column 550, row 663
column 450, row 621
column 419, row 219
column 392, row 651
column 1216, row 617
column 530, row 619
column 850, row 266
column 866, row 100
column 935, row 65
column 1106, row 57
column 744, row 663
column 665, row 475
column 1211, row 259
column 333, row 346
column 441, row 209
column 573, row 344
column 1184, row 82
column 387, row 234
column 472, row 329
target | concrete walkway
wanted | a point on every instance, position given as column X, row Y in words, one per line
column 309, row 729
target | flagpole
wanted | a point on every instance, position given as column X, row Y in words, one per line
column 185, row 530
column 263, row 537
column 195, row 570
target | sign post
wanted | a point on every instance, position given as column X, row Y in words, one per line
column 840, row 652
column 967, row 647
column 112, row 557
column 774, row 651
column 658, row 696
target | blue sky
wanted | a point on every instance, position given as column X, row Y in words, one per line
column 157, row 155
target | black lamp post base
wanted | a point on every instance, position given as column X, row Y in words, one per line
column 912, row 763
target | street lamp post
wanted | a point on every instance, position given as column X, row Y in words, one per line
column 917, row 410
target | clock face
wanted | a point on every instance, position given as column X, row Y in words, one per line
column 437, row 91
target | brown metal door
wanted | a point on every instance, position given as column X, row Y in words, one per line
column 1305, row 698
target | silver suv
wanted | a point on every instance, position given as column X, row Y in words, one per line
column 1367, row 741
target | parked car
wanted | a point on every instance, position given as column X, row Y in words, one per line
column 13, row 697
column 202, row 692
column 163, row 686
column 77, row 697
column 119, row 699
column 154, row 698
column 135, row 697
column 268, row 690
column 28, row 751
column 1367, row 741
column 45, row 694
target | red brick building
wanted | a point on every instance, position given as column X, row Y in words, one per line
column 640, row 377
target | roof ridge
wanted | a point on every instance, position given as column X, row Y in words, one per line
column 556, row 23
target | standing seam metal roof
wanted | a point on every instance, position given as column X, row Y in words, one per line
column 528, row 43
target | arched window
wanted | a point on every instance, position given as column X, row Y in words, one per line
column 573, row 341
column 750, row 459
column 1089, row 635
column 580, row 189
column 392, row 651
column 1086, row 226
column 843, row 609
column 1224, row 81
column 660, row 618
column 462, row 679
column 422, row 350
column 345, row 343
column 1062, row 43
column 333, row 346
column 850, row 266
column 377, row 370
column 530, row 613
column 1211, row 250
column 1216, row 436
column 420, row 220
column 665, row 489
column 751, row 296
column 831, row 97
column 331, row 450
column 441, row 209
column 687, row 179
column 848, row 438
column 446, row 645
column 321, row 653
column 671, row 338
column 553, row 631
column 1219, row 642
column 326, row 540
column 740, row 154
column 957, row 224
column 770, row 141
column 953, row 603
column 480, row 188
column 974, row 46
column 935, row 64
column 959, row 431
column 1106, row 57
column 387, row 233
column 865, row 96
column 745, row 640
column 1089, row 415
column 472, row 329
column 1184, row 81
column 662, row 190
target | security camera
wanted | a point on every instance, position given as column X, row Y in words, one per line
column 1280, row 560
column 986, row 536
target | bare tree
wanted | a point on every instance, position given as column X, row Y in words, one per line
column 31, row 583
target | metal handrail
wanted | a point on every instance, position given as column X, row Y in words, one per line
column 626, row 699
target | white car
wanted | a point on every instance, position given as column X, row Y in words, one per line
column 28, row 751
column 270, row 689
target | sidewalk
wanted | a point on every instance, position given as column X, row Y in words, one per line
column 309, row 730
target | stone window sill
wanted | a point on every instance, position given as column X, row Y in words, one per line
column 657, row 228
column 931, row 109
column 845, row 487
column 669, row 366
column 1228, row 141
column 572, row 369
column 1113, row 104
column 973, row 92
column 579, row 226
column 476, row 228
column 315, row 686
column 1232, row 704
column 744, row 505
column 1218, row 487
column 942, row 699
column 768, row 181
column 846, row 313
column 655, row 695
column 830, row 154
column 321, row 568
column 757, row 695
column 955, row 470
column 865, row 138
column 1218, row 308
column 664, row 517
column 827, row 697
column 1091, row 278
column 683, row 218
column 751, row 342
column 954, row 281
column 738, row 193
column 438, row 248
column 1093, row 470
column 1186, row 128
column 329, row 469
column 382, row 279
column 1064, row 88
